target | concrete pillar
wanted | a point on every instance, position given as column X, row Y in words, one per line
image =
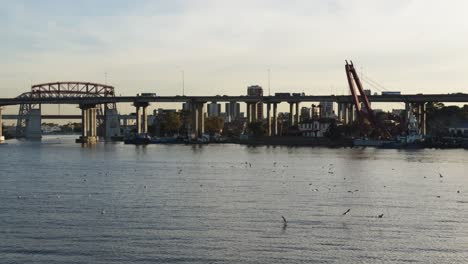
column 422, row 119
column 340, row 114
column 345, row 114
column 351, row 113
column 291, row 114
column 194, row 119
column 112, row 123
column 268, row 118
column 33, row 124
column 89, row 125
column 92, row 122
column 144, row 122
column 249, row 114
column 138, row 120
column 2, row 138
column 201, row 119
column 254, row 112
column 84, row 123
column 275, row 122
column 298, row 114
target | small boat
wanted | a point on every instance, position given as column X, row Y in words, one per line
column 138, row 139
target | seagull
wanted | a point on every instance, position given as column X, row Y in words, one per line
column 347, row 211
column 440, row 175
column 103, row 211
column 380, row 215
column 285, row 223
column 458, row 191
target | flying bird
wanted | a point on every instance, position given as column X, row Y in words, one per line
column 285, row 223
column 347, row 211
column 440, row 175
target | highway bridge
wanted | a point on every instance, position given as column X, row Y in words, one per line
column 403, row 98
column 90, row 97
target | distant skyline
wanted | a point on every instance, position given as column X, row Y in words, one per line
column 224, row 46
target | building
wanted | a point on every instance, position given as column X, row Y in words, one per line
column 232, row 111
column 256, row 90
column 214, row 109
column 459, row 130
column 326, row 110
column 316, row 127
column 305, row 113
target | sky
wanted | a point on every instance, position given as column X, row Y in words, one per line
column 417, row 46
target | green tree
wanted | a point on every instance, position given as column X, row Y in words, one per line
column 171, row 123
column 256, row 128
column 214, row 125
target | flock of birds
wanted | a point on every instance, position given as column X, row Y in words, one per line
column 249, row 165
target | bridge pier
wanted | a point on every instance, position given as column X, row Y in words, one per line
column 268, row 119
column 198, row 119
column 89, row 125
column 291, row 114
column 33, row 124
column 201, row 119
column 421, row 109
column 112, row 123
column 248, row 112
column 351, row 113
column 339, row 112
column 275, row 117
column 254, row 111
column 141, row 117
column 298, row 114
column 2, row 138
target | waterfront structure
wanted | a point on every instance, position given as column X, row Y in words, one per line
column 91, row 96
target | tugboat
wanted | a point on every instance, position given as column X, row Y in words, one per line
column 412, row 140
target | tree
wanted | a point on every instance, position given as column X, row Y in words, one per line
column 256, row 128
column 171, row 123
column 214, row 125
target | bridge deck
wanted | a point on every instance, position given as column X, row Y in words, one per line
column 448, row 98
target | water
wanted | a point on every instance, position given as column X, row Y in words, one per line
column 115, row 203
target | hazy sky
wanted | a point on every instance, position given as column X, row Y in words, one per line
column 223, row 46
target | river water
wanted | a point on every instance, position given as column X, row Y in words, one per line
column 116, row 203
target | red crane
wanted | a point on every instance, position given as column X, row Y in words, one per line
column 353, row 80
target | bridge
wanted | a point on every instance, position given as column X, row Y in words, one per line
column 91, row 96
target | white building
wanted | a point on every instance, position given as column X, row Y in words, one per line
column 314, row 127
column 326, row 110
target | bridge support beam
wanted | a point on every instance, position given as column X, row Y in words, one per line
column 2, row 138
column 88, row 125
column 275, row 121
